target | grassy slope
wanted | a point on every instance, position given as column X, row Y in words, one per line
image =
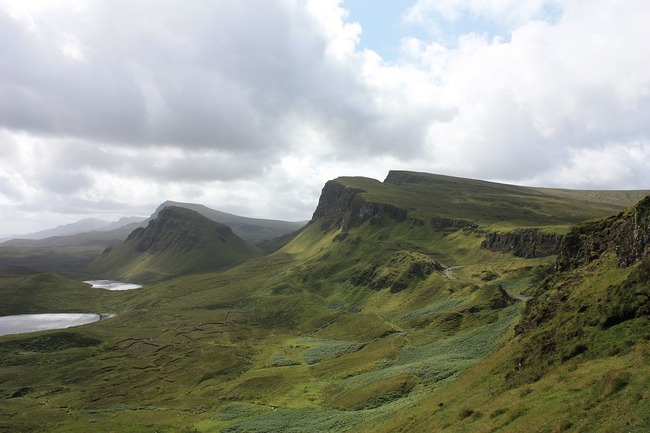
column 56, row 259
column 590, row 378
column 308, row 339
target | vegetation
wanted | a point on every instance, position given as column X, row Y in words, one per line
column 389, row 318
column 180, row 241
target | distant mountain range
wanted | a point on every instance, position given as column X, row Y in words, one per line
column 71, row 247
column 81, row 226
column 92, row 231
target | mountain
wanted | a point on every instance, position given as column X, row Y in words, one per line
column 122, row 222
column 421, row 303
column 84, row 225
column 73, row 252
column 178, row 241
column 252, row 230
column 104, row 237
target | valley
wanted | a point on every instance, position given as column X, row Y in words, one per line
column 423, row 303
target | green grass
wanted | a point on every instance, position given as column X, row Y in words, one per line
column 349, row 331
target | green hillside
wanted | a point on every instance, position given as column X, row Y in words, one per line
column 178, row 242
column 422, row 303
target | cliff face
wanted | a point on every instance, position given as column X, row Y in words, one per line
column 343, row 206
column 627, row 234
column 525, row 243
column 440, row 223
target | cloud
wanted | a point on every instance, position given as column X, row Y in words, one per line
column 253, row 105
column 552, row 90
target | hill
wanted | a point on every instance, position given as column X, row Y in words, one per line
column 252, row 230
column 421, row 303
column 73, row 252
column 179, row 241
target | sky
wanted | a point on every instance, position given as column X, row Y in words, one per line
column 110, row 107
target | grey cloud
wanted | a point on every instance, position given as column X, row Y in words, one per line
column 178, row 98
column 80, row 206
column 64, row 182
column 193, row 77
column 166, row 164
column 8, row 189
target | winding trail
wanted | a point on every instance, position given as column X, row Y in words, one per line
column 448, row 270
column 448, row 273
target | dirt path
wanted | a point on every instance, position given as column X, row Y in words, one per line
column 447, row 271
column 448, row 274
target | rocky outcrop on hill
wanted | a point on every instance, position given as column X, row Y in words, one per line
column 525, row 243
column 440, row 223
column 343, row 206
column 178, row 242
column 626, row 234
column 398, row 272
column 175, row 229
column 592, row 312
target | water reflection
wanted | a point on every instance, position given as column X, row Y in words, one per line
column 112, row 285
column 22, row 323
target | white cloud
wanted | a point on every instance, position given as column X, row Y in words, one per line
column 621, row 164
column 253, row 105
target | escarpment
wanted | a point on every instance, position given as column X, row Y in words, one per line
column 345, row 207
column 626, row 234
column 440, row 223
column 525, row 243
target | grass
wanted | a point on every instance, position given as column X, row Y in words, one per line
column 349, row 331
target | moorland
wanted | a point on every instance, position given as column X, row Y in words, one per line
column 423, row 303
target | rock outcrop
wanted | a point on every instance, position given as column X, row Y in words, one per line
column 626, row 234
column 178, row 242
column 174, row 229
column 398, row 272
column 525, row 243
column 343, row 206
column 440, row 223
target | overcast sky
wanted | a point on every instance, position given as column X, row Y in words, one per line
column 108, row 108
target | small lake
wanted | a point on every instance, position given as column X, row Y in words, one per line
column 112, row 285
column 23, row 323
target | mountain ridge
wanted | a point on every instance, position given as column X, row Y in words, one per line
column 178, row 241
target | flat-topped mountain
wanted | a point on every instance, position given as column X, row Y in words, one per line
column 349, row 201
column 178, row 241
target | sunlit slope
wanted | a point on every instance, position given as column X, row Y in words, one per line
column 180, row 241
column 581, row 350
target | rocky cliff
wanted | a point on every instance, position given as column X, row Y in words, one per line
column 525, row 243
column 626, row 234
column 450, row 224
column 345, row 207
